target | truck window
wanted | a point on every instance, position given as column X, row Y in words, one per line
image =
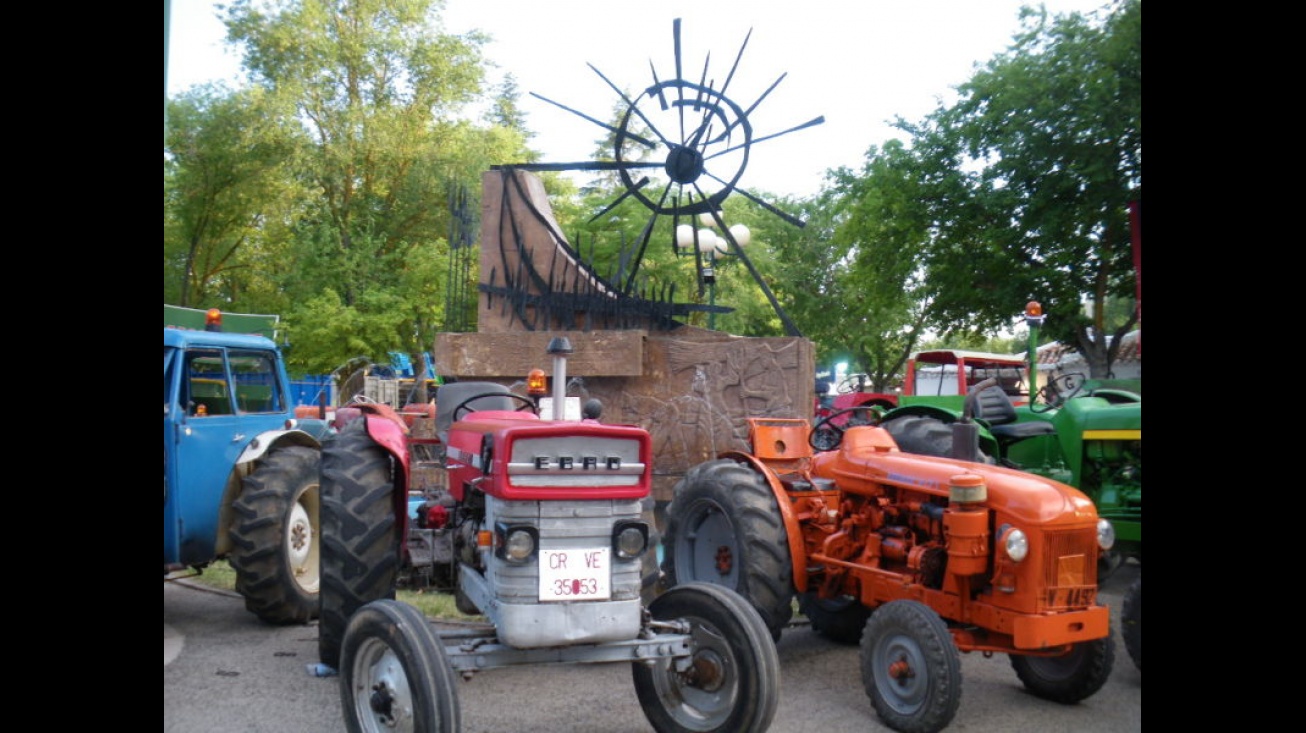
column 206, row 384
column 257, row 386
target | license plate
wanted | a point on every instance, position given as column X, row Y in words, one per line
column 575, row 575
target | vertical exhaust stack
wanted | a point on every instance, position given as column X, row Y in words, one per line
column 559, row 347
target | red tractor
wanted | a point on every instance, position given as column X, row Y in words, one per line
column 916, row 558
column 543, row 530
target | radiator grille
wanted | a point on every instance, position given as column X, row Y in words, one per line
column 1070, row 569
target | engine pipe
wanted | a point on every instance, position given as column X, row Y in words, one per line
column 559, row 347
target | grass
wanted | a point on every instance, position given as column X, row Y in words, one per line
column 434, row 604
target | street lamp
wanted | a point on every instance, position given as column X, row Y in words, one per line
column 707, row 247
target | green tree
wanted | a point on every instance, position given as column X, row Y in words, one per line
column 506, row 111
column 1032, row 171
column 227, row 194
column 881, row 232
column 379, row 91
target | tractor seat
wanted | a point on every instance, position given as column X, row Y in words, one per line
column 449, row 396
column 993, row 406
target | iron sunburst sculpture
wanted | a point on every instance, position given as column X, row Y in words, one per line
column 693, row 133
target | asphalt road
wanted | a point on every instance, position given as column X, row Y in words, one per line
column 224, row 671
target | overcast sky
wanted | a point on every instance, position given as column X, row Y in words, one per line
column 858, row 63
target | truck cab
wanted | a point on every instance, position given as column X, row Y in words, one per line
column 235, row 456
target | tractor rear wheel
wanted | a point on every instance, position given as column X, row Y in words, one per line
column 924, row 436
column 911, row 669
column 1071, row 677
column 840, row 620
column 275, row 537
column 733, row 681
column 360, row 533
column 724, row 527
column 650, row 572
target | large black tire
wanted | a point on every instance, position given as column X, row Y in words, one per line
column 924, row 436
column 1069, row 678
column 276, row 539
column 1108, row 563
column 650, row 570
column 360, row 533
column 911, row 669
column 724, row 527
column 733, row 685
column 841, row 620
column 1131, row 621
column 394, row 674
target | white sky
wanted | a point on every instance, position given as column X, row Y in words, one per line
column 858, row 63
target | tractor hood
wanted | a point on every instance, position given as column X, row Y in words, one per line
column 868, row 459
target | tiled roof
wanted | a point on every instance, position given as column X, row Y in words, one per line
column 1131, row 350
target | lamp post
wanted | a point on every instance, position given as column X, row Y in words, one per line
column 707, row 247
column 1033, row 320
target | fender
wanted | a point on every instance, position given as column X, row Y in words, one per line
column 269, row 439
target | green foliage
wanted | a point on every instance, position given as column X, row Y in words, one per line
column 359, row 105
column 227, row 192
column 1017, row 191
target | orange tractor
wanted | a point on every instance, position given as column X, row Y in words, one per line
column 916, row 558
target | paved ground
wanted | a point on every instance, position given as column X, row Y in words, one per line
column 226, row 672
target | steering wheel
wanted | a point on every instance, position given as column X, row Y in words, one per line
column 825, row 435
column 852, row 383
column 1056, row 392
column 527, row 403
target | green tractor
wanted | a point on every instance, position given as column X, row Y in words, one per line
column 1083, row 432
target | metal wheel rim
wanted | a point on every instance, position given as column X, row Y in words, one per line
column 694, row 707
column 708, row 530
column 302, row 542
column 378, row 671
column 906, row 694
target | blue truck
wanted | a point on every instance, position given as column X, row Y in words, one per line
column 240, row 470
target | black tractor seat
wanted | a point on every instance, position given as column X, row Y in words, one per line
column 489, row 396
column 993, row 406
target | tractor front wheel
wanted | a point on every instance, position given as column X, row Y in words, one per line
column 724, row 527
column 394, row 674
column 275, row 537
column 911, row 669
column 360, row 533
column 1131, row 619
column 1071, row 677
column 732, row 683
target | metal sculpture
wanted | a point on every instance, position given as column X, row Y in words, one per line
column 693, row 132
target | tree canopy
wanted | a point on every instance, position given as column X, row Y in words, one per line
column 1018, row 190
column 320, row 190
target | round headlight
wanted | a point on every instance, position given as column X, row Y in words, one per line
column 1015, row 544
column 518, row 545
column 1106, row 534
column 630, row 542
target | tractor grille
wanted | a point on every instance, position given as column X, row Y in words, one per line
column 565, row 524
column 1070, row 569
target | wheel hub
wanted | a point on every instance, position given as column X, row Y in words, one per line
column 708, row 672
column 725, row 560
column 382, row 703
column 901, row 671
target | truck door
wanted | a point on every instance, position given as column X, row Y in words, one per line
column 207, row 438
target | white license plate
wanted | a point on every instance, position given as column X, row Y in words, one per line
column 575, row 575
